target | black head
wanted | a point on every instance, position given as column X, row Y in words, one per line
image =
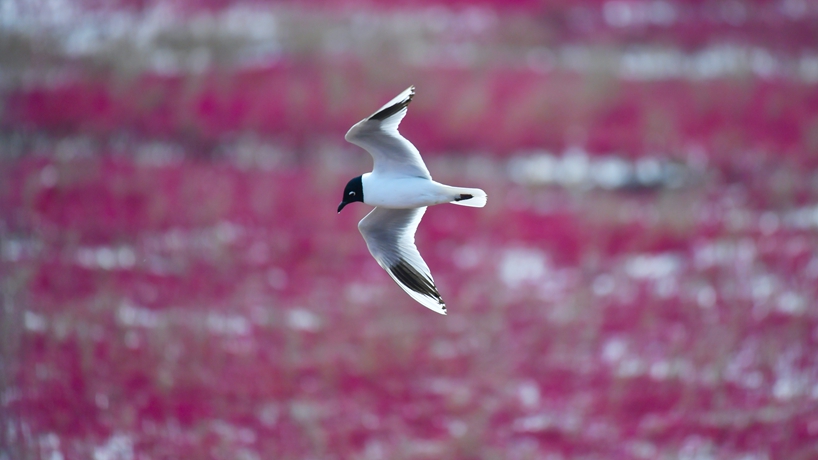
column 354, row 191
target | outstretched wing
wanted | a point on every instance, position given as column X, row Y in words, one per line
column 378, row 134
column 390, row 237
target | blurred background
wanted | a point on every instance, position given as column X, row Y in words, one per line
column 176, row 283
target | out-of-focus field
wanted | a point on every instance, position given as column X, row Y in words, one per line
column 643, row 283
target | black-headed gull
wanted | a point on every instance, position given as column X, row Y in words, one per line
column 400, row 187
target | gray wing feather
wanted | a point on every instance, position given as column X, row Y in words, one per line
column 390, row 237
column 378, row 134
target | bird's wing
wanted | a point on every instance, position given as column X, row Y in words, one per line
column 378, row 134
column 390, row 237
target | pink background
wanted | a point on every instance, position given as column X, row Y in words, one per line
column 176, row 284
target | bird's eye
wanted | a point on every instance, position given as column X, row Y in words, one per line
column 351, row 193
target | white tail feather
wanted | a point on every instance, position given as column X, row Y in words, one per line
column 478, row 197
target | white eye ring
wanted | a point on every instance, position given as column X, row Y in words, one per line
column 351, row 193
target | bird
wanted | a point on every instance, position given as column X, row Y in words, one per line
column 401, row 188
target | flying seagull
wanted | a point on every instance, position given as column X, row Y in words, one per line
column 400, row 187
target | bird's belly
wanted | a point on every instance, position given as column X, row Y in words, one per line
column 403, row 193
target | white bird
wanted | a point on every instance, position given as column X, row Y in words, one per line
column 400, row 187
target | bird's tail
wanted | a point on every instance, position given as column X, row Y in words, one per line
column 473, row 197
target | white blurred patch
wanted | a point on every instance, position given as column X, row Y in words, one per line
column 644, row 449
column 611, row 172
column 519, row 266
column 614, row 350
column 303, row 320
column 794, row 9
column 306, row 410
column 12, row 250
column 567, row 422
column 249, row 152
column 444, row 349
column 696, row 447
column 762, row 287
column 649, row 171
column 34, row 322
column 118, row 447
column 227, row 232
column 466, row 256
column 627, row 14
column 792, row 303
column 268, row 414
column 808, row 68
column 804, row 217
column 158, row 153
column 762, row 63
column 533, row 168
column 716, row 61
column 603, row 285
column 667, row 287
column 660, row 370
column 125, row 256
column 529, row 394
column 233, row 433
column 725, row 252
column 631, row 366
column 457, row 428
column 50, row 447
column 361, row 293
column 706, row 296
column 574, row 168
column 375, row 450
column 49, row 176
column 653, row 266
column 106, row 258
column 86, row 257
column 224, row 324
column 534, row 423
column 135, row 316
column 789, row 386
column 648, row 64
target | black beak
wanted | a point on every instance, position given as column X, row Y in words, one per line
column 341, row 206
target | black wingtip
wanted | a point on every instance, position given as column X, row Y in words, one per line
column 414, row 280
column 394, row 108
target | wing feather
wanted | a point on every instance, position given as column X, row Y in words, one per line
column 390, row 237
column 378, row 134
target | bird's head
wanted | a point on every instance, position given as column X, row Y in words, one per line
column 354, row 191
